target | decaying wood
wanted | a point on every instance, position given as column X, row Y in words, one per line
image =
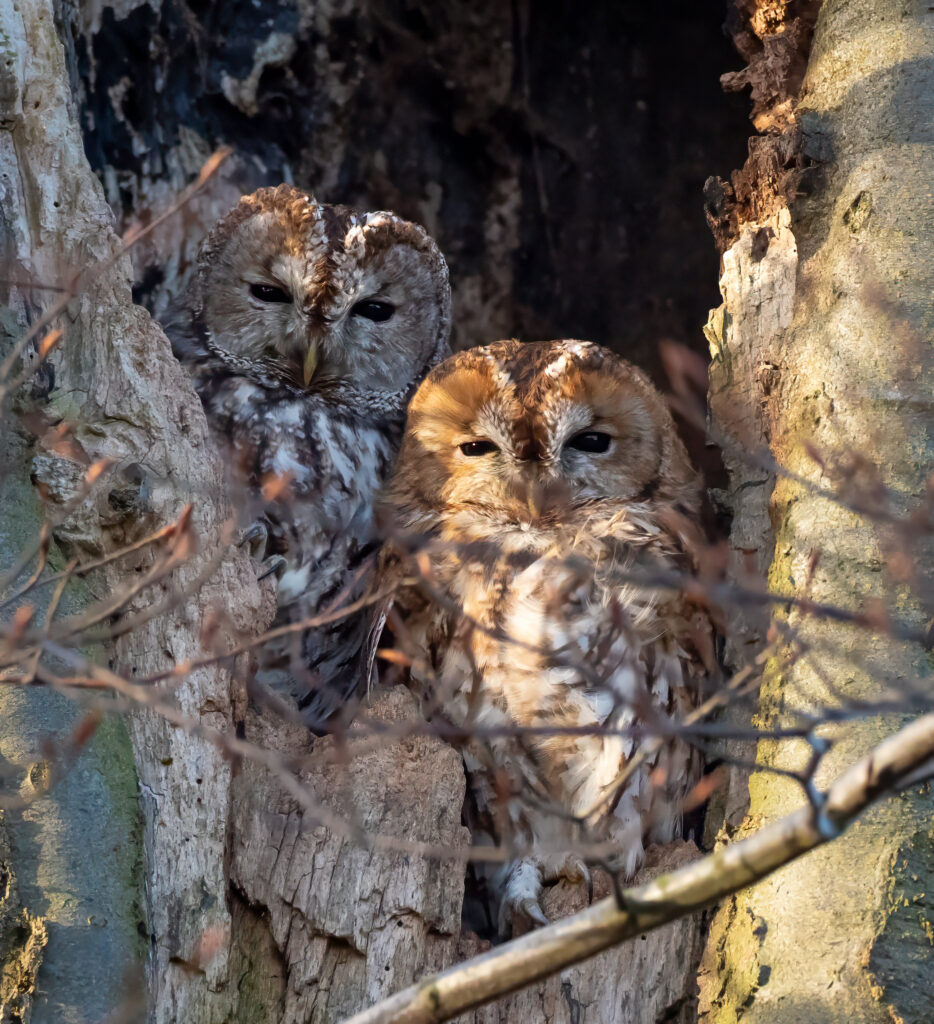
column 452, row 116
column 745, row 335
column 326, row 928
column 347, row 923
column 23, row 938
column 774, row 36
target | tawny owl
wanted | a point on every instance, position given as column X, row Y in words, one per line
column 307, row 330
column 543, row 494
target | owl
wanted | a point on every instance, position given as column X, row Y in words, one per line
column 540, row 520
column 306, row 331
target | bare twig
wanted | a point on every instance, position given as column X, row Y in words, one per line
column 84, row 277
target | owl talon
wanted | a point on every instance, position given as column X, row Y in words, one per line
column 522, row 886
column 255, row 537
column 576, row 871
column 275, row 565
column 532, row 910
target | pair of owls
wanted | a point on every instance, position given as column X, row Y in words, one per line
column 529, row 499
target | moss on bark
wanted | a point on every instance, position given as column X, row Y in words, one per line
column 849, row 375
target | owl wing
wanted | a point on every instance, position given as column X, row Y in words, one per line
column 393, row 568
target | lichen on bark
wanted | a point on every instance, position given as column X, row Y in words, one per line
column 898, row 959
column 22, row 940
column 846, row 374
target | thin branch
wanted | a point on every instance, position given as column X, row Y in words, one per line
column 283, row 767
column 84, row 277
column 544, row 952
column 82, row 569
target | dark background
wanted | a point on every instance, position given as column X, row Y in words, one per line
column 556, row 150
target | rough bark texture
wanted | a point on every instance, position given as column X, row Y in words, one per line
column 325, row 928
column 823, row 337
column 71, row 869
column 347, row 924
column 115, row 380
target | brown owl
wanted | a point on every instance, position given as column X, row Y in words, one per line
column 307, row 330
column 545, row 492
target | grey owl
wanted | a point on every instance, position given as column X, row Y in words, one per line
column 306, row 330
column 550, row 500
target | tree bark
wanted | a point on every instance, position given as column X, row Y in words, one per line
column 823, row 339
column 324, row 925
column 77, row 852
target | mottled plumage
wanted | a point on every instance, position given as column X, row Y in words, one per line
column 546, row 489
column 307, row 330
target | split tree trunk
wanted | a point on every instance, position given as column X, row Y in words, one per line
column 824, row 337
column 304, row 928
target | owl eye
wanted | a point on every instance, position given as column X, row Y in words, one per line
column 373, row 309
column 474, row 448
column 590, row 441
column 269, row 293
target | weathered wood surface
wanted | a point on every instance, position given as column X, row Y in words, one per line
column 824, row 338
column 116, row 381
column 346, row 923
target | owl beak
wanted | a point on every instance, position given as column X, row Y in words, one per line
column 544, row 496
column 311, row 363
column 535, row 503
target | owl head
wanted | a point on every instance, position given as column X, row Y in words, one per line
column 532, row 434
column 295, row 292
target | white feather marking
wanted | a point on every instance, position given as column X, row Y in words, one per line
column 284, row 461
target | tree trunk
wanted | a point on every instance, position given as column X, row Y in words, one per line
column 823, row 341
column 322, row 925
column 252, row 911
column 78, row 854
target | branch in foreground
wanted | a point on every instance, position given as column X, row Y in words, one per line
column 666, row 898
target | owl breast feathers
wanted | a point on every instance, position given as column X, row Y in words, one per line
column 307, row 330
column 548, row 488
